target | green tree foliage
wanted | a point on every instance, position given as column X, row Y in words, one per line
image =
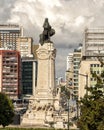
column 6, row 110
column 92, row 106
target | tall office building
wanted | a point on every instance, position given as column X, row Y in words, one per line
column 24, row 45
column 10, row 76
column 9, row 34
column 29, row 76
column 77, row 55
column 93, row 42
column 93, row 49
column 69, row 61
column 73, row 70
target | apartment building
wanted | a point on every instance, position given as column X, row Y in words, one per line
column 24, row 45
column 72, row 77
column 91, row 64
column 69, row 61
column 77, row 55
column 93, row 49
column 93, row 41
column 9, row 34
column 10, row 76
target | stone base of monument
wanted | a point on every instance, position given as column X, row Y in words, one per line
column 44, row 113
column 44, row 120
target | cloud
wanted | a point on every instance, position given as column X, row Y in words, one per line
column 5, row 9
column 69, row 18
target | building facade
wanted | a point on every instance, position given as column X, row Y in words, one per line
column 91, row 64
column 93, row 49
column 9, row 34
column 10, row 76
column 34, row 50
column 93, row 42
column 29, row 76
column 72, row 76
column 69, row 61
column 77, row 55
column 24, row 45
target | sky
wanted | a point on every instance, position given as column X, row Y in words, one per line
column 69, row 18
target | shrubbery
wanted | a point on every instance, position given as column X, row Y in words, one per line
column 26, row 129
column 92, row 106
column 6, row 110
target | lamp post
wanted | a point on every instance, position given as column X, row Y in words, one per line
column 86, row 76
column 68, row 113
column 67, row 93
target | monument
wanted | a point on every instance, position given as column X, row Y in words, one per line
column 44, row 108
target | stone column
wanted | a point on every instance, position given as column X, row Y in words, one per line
column 46, row 54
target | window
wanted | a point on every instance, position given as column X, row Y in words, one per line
column 75, row 80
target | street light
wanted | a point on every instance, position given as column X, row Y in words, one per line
column 86, row 76
column 68, row 113
column 67, row 93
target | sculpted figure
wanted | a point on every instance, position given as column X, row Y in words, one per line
column 47, row 32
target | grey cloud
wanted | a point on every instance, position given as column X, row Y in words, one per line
column 69, row 18
column 5, row 9
column 61, row 61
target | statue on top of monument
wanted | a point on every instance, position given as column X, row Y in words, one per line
column 47, row 32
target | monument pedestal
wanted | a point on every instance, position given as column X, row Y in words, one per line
column 46, row 70
column 44, row 108
column 42, row 104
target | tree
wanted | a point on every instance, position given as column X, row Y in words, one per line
column 92, row 106
column 6, row 110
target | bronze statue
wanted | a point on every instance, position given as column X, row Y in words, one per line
column 47, row 32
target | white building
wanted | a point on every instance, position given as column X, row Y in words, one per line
column 69, row 60
column 24, row 45
column 8, row 35
column 93, row 48
column 94, row 41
